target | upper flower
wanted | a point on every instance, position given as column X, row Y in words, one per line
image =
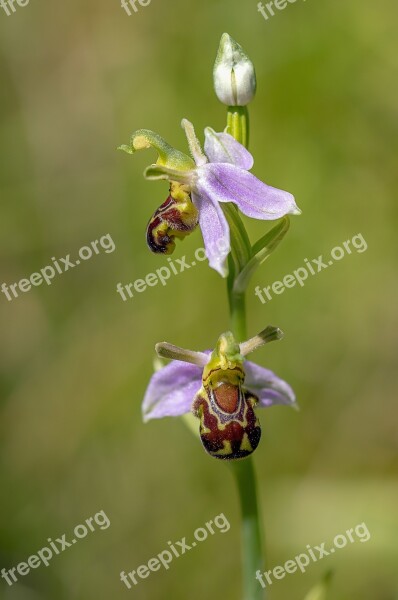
column 221, row 389
column 219, row 175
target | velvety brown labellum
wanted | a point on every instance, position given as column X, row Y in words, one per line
column 227, row 397
column 229, row 428
column 174, row 218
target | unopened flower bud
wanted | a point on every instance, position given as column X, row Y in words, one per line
column 234, row 74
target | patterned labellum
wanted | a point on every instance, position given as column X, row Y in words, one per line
column 176, row 217
column 229, row 428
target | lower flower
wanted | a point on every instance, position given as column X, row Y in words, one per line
column 222, row 389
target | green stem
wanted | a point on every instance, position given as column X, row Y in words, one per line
column 237, row 305
column 241, row 247
column 243, row 470
column 238, row 127
column 252, row 553
column 238, row 124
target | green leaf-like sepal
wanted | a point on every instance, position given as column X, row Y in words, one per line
column 167, row 155
column 155, row 172
column 260, row 252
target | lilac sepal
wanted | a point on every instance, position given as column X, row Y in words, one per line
column 223, row 148
column 215, row 231
column 171, row 390
column 222, row 182
column 267, row 386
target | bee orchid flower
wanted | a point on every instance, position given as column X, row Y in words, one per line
column 221, row 388
column 199, row 188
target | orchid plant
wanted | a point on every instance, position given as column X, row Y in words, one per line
column 209, row 189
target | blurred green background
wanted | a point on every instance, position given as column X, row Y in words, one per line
column 76, row 79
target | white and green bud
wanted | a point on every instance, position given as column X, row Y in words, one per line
column 234, row 75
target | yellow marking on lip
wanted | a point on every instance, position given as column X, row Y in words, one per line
column 225, row 451
column 234, row 375
column 221, row 426
column 245, row 444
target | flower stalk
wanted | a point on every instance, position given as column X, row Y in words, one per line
column 243, row 471
column 238, row 124
column 252, row 542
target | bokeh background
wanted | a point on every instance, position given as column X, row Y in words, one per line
column 76, row 79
